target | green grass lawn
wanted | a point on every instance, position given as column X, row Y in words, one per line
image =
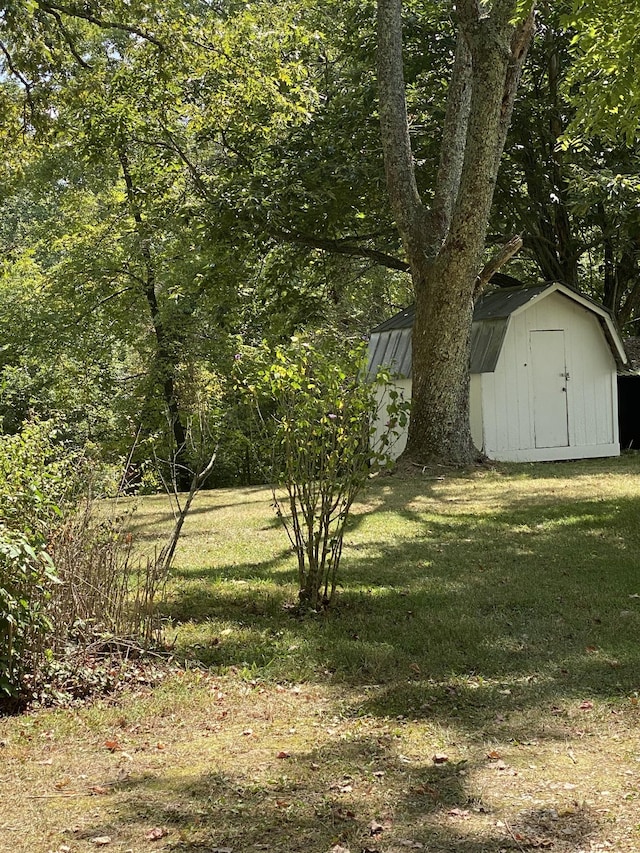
column 490, row 620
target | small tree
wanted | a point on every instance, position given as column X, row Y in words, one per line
column 316, row 415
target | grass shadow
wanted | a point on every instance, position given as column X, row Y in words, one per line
column 371, row 798
column 528, row 603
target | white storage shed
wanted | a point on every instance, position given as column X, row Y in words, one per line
column 543, row 373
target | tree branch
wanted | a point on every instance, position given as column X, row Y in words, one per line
column 497, row 261
column 520, row 41
column 67, row 37
column 454, row 136
column 398, row 158
column 340, row 247
column 51, row 8
column 28, row 87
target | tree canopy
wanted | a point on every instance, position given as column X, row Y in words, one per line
column 182, row 176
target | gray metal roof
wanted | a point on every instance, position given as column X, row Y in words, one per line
column 391, row 349
column 390, row 342
column 503, row 302
column 403, row 320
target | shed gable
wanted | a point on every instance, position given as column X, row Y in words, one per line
column 390, row 342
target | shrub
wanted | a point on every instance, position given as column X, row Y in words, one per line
column 66, row 565
column 315, row 412
column 37, row 478
column 104, row 588
column 27, row 576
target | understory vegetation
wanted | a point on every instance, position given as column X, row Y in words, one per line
column 475, row 688
column 69, row 577
column 72, row 574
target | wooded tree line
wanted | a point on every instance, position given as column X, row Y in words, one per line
column 186, row 177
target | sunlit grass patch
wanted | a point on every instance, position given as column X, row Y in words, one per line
column 475, row 689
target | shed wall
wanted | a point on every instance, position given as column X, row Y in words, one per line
column 506, row 419
column 403, row 386
column 508, row 396
column 475, row 410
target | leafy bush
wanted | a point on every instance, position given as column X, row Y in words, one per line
column 66, row 567
column 27, row 576
column 37, row 478
column 316, row 414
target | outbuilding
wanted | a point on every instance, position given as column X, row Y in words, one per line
column 543, row 366
column 629, row 397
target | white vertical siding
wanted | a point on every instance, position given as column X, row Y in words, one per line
column 475, row 406
column 508, row 406
column 402, row 386
column 502, row 403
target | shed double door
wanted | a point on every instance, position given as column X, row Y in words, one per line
column 549, row 377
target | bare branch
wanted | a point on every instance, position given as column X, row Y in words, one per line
column 520, row 42
column 398, row 158
column 497, row 261
column 454, row 137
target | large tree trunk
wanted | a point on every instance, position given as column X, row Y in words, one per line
column 441, row 367
column 444, row 244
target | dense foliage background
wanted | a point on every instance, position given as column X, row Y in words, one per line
column 182, row 179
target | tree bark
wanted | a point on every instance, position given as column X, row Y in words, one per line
column 165, row 366
column 444, row 244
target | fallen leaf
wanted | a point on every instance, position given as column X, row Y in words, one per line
column 344, row 814
column 98, row 789
column 101, row 840
column 341, row 787
column 283, row 754
column 156, row 833
column 440, row 758
column 112, row 745
column 458, row 812
column 586, row 706
column 493, row 755
column 247, row 732
column 161, row 745
column 425, row 789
